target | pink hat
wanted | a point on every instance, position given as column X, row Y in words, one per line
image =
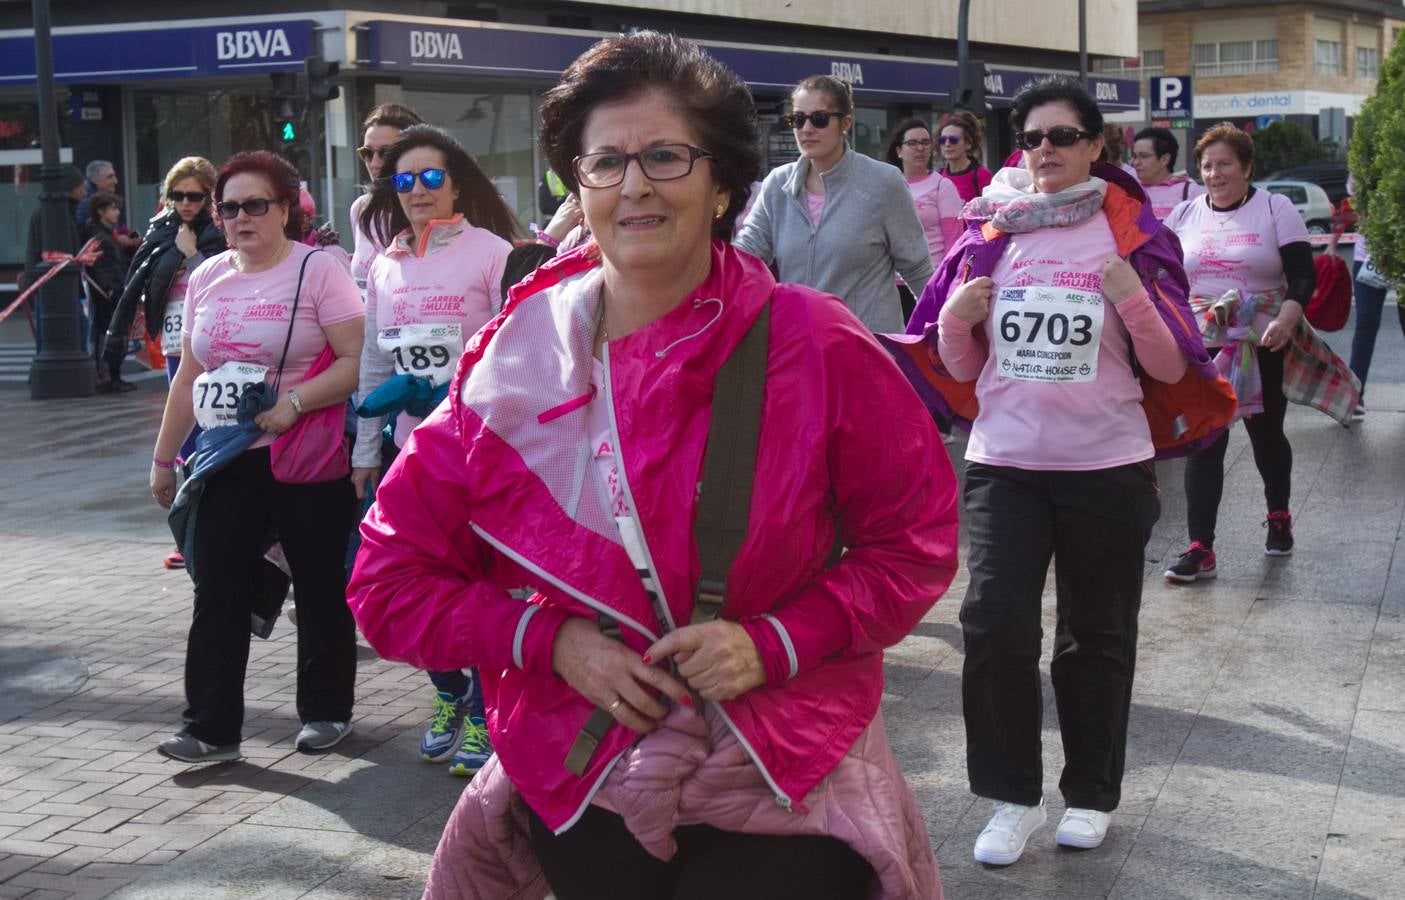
column 305, row 201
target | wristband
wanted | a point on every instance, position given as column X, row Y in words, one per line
column 545, row 237
column 162, row 464
column 294, row 399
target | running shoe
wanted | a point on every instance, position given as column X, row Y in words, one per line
column 174, row 560
column 1196, row 563
column 475, row 750
column 1280, row 533
column 445, row 732
column 318, row 736
column 189, row 748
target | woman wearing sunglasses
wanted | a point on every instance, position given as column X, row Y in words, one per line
column 447, row 234
column 936, row 198
column 382, row 126
column 1043, row 309
column 834, row 219
column 646, row 747
column 270, row 311
column 960, row 145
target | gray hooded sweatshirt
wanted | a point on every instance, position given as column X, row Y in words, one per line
column 867, row 234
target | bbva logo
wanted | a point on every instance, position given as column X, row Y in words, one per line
column 252, row 44
column 435, row 45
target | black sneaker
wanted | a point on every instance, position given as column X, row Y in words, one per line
column 1280, row 533
column 1196, row 563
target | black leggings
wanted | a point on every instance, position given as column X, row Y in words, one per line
column 1204, row 472
column 599, row 858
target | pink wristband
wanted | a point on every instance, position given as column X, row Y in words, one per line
column 160, row 464
column 547, row 239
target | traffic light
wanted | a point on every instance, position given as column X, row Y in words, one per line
column 287, row 131
column 285, row 94
column 320, row 73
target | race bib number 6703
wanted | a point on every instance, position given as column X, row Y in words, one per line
column 1048, row 334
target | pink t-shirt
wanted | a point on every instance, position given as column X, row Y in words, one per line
column 1169, row 193
column 816, row 202
column 970, row 183
column 1237, row 249
column 938, row 209
column 1056, row 387
column 366, row 248
column 234, row 316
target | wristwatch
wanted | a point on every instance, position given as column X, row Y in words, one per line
column 294, row 399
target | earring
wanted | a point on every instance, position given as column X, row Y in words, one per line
column 721, row 208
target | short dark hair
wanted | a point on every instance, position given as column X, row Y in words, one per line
column 840, row 92
column 1163, row 143
column 1226, row 133
column 478, row 200
column 903, row 128
column 712, row 98
column 282, row 179
column 101, row 200
column 1057, row 89
column 392, row 114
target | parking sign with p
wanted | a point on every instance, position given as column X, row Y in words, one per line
column 1170, row 97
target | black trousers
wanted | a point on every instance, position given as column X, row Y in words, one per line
column 1095, row 526
column 599, row 858
column 1204, row 472
column 241, row 504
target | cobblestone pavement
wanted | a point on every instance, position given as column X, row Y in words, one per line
column 1266, row 757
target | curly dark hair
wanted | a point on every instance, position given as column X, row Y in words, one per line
column 282, row 179
column 712, row 98
column 1057, row 89
column 478, row 200
column 903, row 128
column 971, row 127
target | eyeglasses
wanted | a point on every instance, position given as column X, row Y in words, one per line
column 918, row 145
column 1144, row 157
column 665, row 162
column 228, row 209
column 187, row 197
column 818, row 119
column 432, row 179
column 952, row 139
column 367, row 152
column 1059, row 136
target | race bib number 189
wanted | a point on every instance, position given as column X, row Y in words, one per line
column 428, row 350
column 1047, row 334
column 217, row 392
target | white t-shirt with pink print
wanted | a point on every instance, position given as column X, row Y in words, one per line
column 939, row 210
column 1236, row 249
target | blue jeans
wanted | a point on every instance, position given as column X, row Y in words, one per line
column 1369, row 301
column 456, row 683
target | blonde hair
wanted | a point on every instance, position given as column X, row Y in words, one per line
column 197, row 167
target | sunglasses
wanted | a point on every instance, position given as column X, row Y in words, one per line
column 187, row 197
column 228, row 209
column 917, row 145
column 1059, row 136
column 818, row 119
column 952, row 139
column 367, row 152
column 432, row 179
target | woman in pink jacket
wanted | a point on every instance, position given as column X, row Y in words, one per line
column 743, row 756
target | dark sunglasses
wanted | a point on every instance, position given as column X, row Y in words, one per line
column 404, row 182
column 952, row 139
column 228, row 209
column 367, row 152
column 187, row 197
column 818, row 119
column 1059, row 136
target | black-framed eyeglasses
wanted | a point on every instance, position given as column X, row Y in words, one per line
column 367, row 152
column 819, row 119
column 952, row 139
column 256, row 206
column 1059, row 136
column 918, row 145
column 662, row 162
column 404, row 182
column 187, row 197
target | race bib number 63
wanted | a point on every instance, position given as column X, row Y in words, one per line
column 1047, row 334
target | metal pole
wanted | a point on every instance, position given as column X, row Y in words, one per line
column 1083, row 42
column 963, row 54
column 62, row 368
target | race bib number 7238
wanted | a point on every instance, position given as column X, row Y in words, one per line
column 216, row 393
column 1048, row 334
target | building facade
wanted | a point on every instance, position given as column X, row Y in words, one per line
column 143, row 87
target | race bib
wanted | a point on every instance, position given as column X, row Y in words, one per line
column 428, row 350
column 1370, row 276
column 217, row 392
column 171, row 321
column 1047, row 334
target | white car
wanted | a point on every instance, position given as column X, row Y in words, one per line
column 1308, row 199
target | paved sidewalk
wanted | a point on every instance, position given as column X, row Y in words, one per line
column 1266, row 757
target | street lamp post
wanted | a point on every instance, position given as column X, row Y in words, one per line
column 61, row 368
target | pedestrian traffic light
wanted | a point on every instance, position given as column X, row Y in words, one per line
column 287, row 131
column 320, row 73
column 285, row 94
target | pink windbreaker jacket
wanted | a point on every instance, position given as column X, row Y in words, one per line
column 496, row 491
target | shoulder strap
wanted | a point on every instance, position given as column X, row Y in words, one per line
column 292, row 320
column 1185, row 189
column 729, row 466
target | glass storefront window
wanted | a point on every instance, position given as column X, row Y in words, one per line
column 497, row 129
column 19, row 198
column 871, row 131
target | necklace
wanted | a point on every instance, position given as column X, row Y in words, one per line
column 283, row 251
column 1222, row 220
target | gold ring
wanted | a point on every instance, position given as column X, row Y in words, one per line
column 619, row 701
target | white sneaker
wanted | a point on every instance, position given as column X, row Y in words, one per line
column 1008, row 831
column 1083, row 828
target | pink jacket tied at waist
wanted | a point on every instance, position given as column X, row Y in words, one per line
column 490, row 496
